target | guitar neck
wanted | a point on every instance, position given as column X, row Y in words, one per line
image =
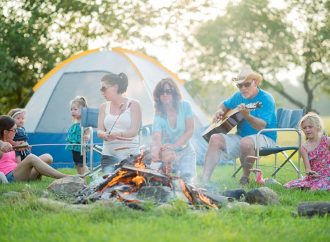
column 236, row 110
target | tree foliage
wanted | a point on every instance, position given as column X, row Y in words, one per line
column 37, row 34
column 28, row 48
column 255, row 33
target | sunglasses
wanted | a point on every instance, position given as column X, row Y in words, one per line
column 246, row 85
column 103, row 89
column 167, row 92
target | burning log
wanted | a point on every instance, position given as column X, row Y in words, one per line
column 133, row 182
column 150, row 174
column 159, row 194
column 128, row 197
column 197, row 196
column 120, row 176
column 187, row 192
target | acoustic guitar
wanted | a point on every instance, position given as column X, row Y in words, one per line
column 230, row 119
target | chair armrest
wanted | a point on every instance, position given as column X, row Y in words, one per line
column 277, row 130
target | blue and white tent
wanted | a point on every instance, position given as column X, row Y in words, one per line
column 48, row 111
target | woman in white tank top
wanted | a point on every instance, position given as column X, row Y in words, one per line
column 119, row 121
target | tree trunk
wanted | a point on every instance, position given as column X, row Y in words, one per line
column 309, row 91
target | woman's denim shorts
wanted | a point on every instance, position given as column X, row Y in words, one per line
column 10, row 177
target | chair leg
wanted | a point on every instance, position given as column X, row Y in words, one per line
column 288, row 159
column 275, row 163
column 83, row 148
column 91, row 144
column 235, row 173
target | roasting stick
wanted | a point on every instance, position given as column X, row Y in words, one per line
column 121, row 148
column 124, row 138
column 46, row 144
column 24, row 145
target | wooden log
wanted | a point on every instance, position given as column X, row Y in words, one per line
column 313, row 208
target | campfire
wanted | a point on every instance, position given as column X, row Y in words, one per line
column 135, row 181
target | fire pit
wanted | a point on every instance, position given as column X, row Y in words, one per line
column 135, row 181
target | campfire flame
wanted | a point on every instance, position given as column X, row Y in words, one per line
column 114, row 180
column 206, row 200
column 185, row 191
column 129, row 178
column 139, row 163
column 138, row 180
column 126, row 177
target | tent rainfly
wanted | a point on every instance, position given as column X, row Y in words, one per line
column 48, row 109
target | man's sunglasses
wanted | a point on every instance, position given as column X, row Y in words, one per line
column 167, row 92
column 246, row 85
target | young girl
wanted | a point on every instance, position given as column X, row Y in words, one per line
column 21, row 137
column 74, row 134
column 30, row 168
column 316, row 155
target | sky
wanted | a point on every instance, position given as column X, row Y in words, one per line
column 171, row 55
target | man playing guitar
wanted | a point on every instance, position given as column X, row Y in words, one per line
column 243, row 144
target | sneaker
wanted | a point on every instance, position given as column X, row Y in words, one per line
column 244, row 180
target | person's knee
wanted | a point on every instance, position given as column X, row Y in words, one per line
column 31, row 158
column 47, row 158
column 216, row 141
column 246, row 145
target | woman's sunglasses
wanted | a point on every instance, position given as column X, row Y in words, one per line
column 167, row 92
column 104, row 88
column 12, row 130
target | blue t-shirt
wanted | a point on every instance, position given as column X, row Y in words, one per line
column 21, row 134
column 169, row 134
column 266, row 112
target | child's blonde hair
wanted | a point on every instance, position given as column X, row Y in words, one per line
column 80, row 101
column 315, row 119
column 16, row 111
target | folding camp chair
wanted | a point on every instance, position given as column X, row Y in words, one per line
column 89, row 117
column 287, row 121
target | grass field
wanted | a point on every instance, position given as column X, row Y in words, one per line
column 23, row 217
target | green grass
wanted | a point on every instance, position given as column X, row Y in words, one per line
column 24, row 218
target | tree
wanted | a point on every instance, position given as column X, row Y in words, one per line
column 28, row 49
column 255, row 33
column 37, row 34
